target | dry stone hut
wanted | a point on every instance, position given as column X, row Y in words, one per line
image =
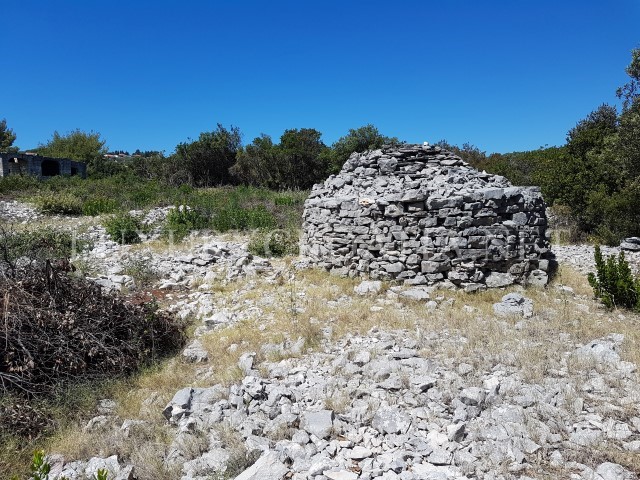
column 422, row 215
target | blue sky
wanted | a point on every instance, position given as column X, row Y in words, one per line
column 503, row 75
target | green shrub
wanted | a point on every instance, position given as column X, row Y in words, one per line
column 613, row 282
column 18, row 183
column 182, row 220
column 144, row 276
column 286, row 200
column 274, row 243
column 59, row 203
column 123, row 228
column 39, row 244
column 234, row 217
column 97, row 206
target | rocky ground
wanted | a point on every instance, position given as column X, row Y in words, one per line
column 292, row 373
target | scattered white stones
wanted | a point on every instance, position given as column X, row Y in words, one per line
column 195, row 353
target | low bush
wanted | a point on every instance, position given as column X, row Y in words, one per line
column 37, row 244
column 98, row 206
column 613, row 281
column 18, row 183
column 287, row 200
column 274, row 243
column 123, row 228
column 60, row 203
column 241, row 218
column 144, row 276
column 182, row 220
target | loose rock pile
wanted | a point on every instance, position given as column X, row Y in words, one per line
column 421, row 214
column 14, row 211
column 374, row 406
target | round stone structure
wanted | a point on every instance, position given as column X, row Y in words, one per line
column 420, row 214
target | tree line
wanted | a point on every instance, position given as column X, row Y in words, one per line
column 215, row 158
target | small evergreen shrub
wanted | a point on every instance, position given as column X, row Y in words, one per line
column 97, row 206
column 613, row 281
column 182, row 220
column 59, row 203
column 274, row 243
column 123, row 228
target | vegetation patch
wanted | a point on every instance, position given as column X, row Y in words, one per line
column 61, row 333
column 182, row 220
column 613, row 281
column 58, row 203
column 274, row 242
column 123, row 228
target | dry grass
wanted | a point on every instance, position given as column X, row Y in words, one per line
column 315, row 306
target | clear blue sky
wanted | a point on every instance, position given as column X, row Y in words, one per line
column 503, row 75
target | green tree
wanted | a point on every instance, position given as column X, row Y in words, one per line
column 76, row 145
column 590, row 134
column 630, row 91
column 7, row 137
column 357, row 140
column 297, row 162
column 255, row 164
column 206, row 162
column 301, row 161
column 627, row 142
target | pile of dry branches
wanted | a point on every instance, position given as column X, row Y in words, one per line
column 57, row 329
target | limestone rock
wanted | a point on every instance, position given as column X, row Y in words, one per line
column 514, row 304
column 267, row 467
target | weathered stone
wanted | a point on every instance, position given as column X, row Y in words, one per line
column 514, row 304
column 195, row 353
column 391, row 420
column 179, row 405
column 267, row 467
column 368, row 287
column 631, row 244
column 319, row 423
column 109, row 464
column 497, row 279
column 417, row 210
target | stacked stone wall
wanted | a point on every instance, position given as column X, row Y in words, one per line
column 422, row 215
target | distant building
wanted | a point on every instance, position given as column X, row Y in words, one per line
column 42, row 167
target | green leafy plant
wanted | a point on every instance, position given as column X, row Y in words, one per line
column 99, row 205
column 143, row 274
column 123, row 228
column 613, row 281
column 59, row 203
column 182, row 220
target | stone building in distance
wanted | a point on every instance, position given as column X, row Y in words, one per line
column 41, row 167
